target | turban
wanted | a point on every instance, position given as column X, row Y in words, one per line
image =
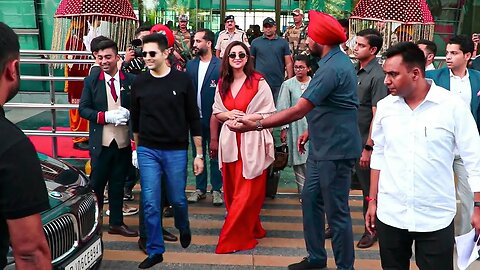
column 325, row 29
column 162, row 29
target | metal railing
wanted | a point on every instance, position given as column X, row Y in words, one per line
column 43, row 57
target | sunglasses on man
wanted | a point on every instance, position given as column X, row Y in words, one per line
column 151, row 53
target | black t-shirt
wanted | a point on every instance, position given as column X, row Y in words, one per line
column 164, row 109
column 22, row 188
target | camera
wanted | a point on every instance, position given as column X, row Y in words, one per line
column 137, row 47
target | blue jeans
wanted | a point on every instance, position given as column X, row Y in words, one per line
column 326, row 190
column 173, row 164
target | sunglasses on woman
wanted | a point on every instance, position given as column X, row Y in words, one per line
column 240, row 55
column 151, row 53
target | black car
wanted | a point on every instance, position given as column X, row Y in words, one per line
column 73, row 224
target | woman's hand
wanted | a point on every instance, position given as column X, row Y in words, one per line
column 234, row 114
column 283, row 136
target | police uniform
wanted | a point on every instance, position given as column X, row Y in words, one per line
column 296, row 38
column 225, row 38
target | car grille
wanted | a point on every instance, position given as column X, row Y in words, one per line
column 87, row 215
column 61, row 235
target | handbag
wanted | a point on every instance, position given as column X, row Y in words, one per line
column 281, row 157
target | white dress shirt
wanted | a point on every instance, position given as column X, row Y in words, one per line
column 116, row 83
column 414, row 152
column 202, row 71
column 430, row 67
column 461, row 87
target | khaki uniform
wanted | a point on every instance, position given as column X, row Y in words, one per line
column 296, row 39
column 225, row 38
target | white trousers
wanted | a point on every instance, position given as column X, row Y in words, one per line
column 465, row 196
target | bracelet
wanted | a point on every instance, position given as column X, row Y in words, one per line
column 476, row 204
column 369, row 199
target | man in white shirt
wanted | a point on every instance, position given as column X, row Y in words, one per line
column 204, row 71
column 429, row 49
column 415, row 131
column 464, row 83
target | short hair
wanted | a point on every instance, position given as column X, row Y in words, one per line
column 158, row 38
column 108, row 44
column 9, row 45
column 141, row 28
column 411, row 54
column 429, row 45
column 304, row 58
column 208, row 36
column 466, row 43
column 374, row 38
column 343, row 22
column 95, row 42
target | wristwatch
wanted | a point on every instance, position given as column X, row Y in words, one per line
column 476, row 204
column 200, row 156
column 259, row 125
column 368, row 147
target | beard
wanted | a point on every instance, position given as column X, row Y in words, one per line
column 16, row 85
column 316, row 50
column 200, row 51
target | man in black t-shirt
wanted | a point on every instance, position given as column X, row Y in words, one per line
column 23, row 195
column 163, row 111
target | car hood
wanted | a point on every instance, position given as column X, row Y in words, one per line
column 63, row 181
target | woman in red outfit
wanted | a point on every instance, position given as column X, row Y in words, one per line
column 242, row 93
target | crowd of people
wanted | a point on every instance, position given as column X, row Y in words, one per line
column 393, row 128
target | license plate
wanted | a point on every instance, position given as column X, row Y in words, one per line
column 87, row 258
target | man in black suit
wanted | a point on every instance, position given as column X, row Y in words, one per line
column 105, row 101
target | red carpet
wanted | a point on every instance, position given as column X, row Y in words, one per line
column 43, row 144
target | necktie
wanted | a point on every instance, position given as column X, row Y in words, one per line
column 112, row 89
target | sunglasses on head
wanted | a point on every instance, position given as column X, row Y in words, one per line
column 240, row 55
column 151, row 53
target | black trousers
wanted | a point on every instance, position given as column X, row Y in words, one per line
column 112, row 167
column 433, row 250
column 363, row 177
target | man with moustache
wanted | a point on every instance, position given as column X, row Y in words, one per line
column 296, row 34
column 23, row 195
column 412, row 188
column 227, row 36
column 164, row 112
column 272, row 56
column 104, row 103
column 330, row 103
column 465, row 83
column 205, row 71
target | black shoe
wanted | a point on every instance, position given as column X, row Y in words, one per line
column 185, row 238
column 151, row 261
column 168, row 236
column 168, row 212
column 142, row 244
column 128, row 194
column 81, row 146
column 328, row 233
column 305, row 264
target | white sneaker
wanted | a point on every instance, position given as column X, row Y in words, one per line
column 126, row 210
column 196, row 196
column 217, row 198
